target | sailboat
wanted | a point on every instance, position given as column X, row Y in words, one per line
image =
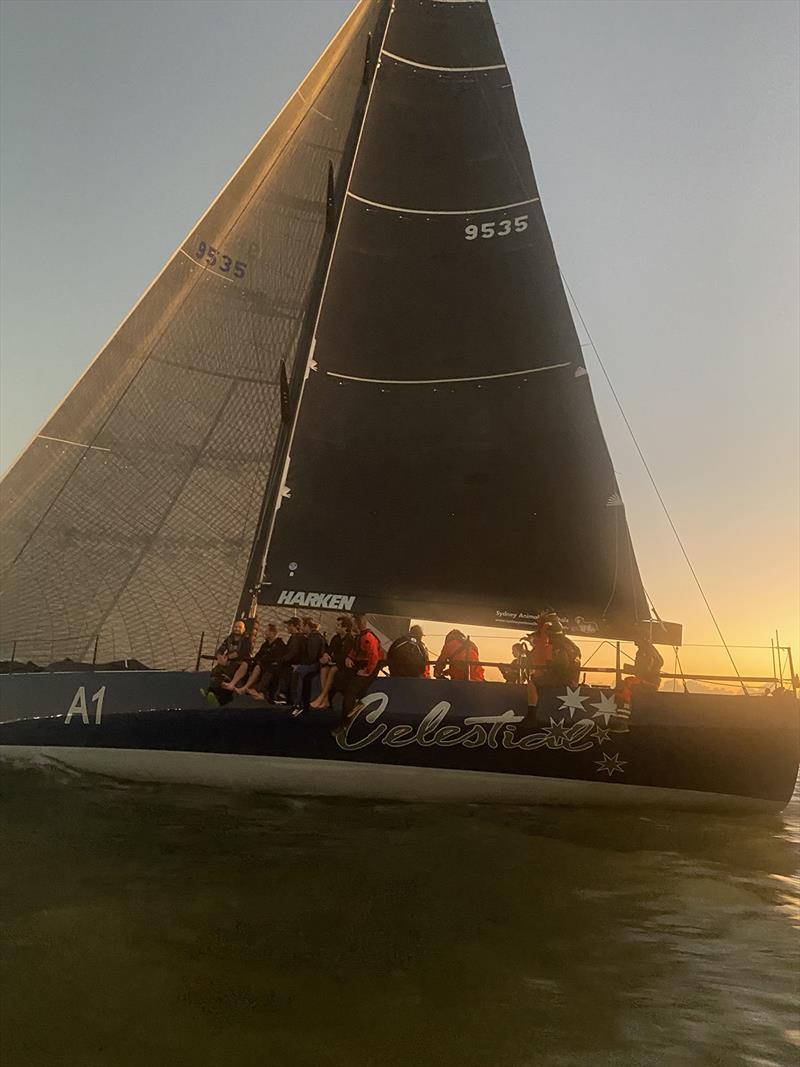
column 356, row 386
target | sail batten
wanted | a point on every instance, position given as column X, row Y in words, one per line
column 451, row 477
column 445, row 381
column 437, row 211
column 430, row 66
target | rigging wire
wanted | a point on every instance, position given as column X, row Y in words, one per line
column 652, row 480
column 683, row 679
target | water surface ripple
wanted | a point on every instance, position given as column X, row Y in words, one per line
column 153, row 925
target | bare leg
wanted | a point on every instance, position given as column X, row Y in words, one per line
column 322, row 700
column 241, row 671
column 255, row 674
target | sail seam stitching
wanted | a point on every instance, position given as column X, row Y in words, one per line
column 429, row 66
column 445, row 381
column 431, row 211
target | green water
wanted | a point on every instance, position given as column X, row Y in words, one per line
column 152, row 925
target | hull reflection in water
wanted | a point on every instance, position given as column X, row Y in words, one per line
column 415, row 740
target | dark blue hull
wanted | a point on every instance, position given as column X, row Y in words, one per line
column 415, row 739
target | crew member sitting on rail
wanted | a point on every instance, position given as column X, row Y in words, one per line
column 646, row 669
column 459, row 659
column 339, row 648
column 292, row 656
column 309, row 666
column 361, row 666
column 407, row 656
column 263, row 676
column 231, row 661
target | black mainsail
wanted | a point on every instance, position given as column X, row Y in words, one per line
column 132, row 513
column 447, row 460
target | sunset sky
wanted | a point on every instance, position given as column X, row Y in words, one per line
column 664, row 136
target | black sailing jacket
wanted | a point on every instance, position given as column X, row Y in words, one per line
column 295, row 649
column 315, row 646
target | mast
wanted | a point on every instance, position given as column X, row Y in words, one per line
column 293, row 389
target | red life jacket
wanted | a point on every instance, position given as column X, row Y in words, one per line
column 368, row 653
column 455, row 655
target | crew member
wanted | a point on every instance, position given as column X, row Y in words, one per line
column 231, row 661
column 304, row 671
column 292, row 657
column 565, row 664
column 459, row 659
column 555, row 660
column 646, row 669
column 514, row 671
column 263, row 676
column 407, row 656
column 361, row 666
column 339, row 648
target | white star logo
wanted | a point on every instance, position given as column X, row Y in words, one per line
column 573, row 700
column 606, row 709
column 610, row 763
column 601, row 735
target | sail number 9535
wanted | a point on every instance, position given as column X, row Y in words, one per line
column 496, row 229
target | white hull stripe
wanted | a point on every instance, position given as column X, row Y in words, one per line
column 428, row 66
column 77, row 444
column 433, row 211
column 444, row 381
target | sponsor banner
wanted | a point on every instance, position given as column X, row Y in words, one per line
column 576, row 622
column 301, row 599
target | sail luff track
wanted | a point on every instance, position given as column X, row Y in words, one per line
column 275, row 481
column 310, row 358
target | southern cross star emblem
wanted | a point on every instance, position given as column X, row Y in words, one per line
column 573, row 700
column 555, row 733
column 610, row 763
column 607, row 708
column 601, row 734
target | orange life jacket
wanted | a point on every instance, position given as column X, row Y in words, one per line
column 455, row 655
